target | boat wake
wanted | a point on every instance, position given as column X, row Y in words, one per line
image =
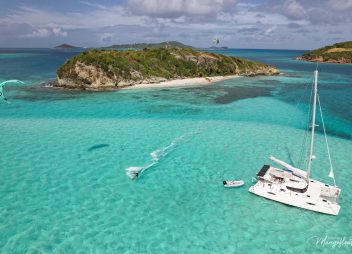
column 155, row 156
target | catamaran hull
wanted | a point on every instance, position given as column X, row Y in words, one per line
column 292, row 199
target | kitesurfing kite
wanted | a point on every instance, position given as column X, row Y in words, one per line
column 2, row 96
column 216, row 42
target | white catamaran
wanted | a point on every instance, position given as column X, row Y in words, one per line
column 293, row 186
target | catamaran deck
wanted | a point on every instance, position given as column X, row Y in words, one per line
column 281, row 190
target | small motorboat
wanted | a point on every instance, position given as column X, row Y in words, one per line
column 232, row 184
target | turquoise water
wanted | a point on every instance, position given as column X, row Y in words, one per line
column 63, row 156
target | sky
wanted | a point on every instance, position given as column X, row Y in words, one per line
column 266, row 24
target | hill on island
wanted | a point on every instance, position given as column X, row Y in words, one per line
column 65, row 46
column 102, row 69
column 165, row 44
column 337, row 53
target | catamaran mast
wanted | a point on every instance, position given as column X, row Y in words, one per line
column 313, row 123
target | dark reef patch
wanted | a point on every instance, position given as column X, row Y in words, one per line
column 239, row 93
column 270, row 82
column 291, row 75
column 39, row 93
column 226, row 95
column 46, row 92
column 95, row 147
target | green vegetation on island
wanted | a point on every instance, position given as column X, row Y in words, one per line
column 337, row 53
column 102, row 69
column 65, row 46
column 165, row 44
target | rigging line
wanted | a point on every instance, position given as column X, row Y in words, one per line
column 303, row 94
column 290, row 121
column 305, row 140
column 326, row 140
column 303, row 152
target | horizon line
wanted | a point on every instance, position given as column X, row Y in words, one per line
column 109, row 47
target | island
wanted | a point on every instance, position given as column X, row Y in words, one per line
column 111, row 69
column 165, row 44
column 65, row 46
column 340, row 53
column 218, row 48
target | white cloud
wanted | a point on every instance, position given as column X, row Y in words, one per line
column 179, row 8
column 95, row 5
column 341, row 4
column 57, row 31
column 38, row 33
column 254, row 17
column 270, row 30
column 45, row 32
column 115, row 15
column 293, row 9
column 251, row 24
column 106, row 38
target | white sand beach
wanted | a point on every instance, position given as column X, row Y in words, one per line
column 183, row 82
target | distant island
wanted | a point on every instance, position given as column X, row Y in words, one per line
column 338, row 53
column 65, row 46
column 214, row 47
column 165, row 44
column 107, row 69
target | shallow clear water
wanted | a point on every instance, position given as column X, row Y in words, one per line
column 63, row 156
